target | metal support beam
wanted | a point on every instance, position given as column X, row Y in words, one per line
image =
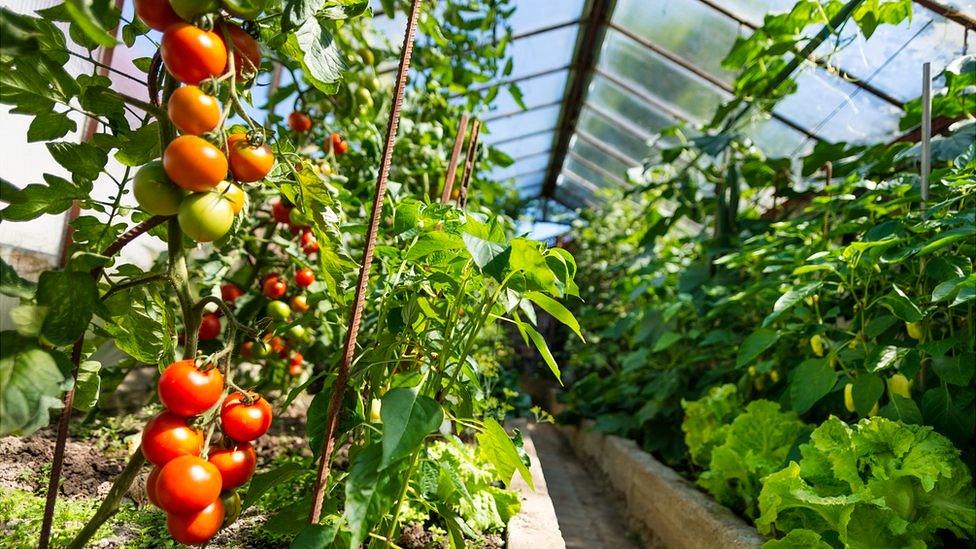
column 949, row 13
column 597, row 14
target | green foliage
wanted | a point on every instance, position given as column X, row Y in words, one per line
column 32, row 380
column 756, row 444
column 876, row 483
column 707, row 421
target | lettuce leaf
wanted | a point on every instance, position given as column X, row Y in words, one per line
column 707, row 420
column 756, row 444
column 878, row 483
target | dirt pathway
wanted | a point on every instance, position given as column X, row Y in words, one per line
column 590, row 516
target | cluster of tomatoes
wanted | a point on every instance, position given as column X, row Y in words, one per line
column 200, row 172
column 196, row 487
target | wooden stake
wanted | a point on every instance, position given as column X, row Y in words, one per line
column 349, row 350
column 469, row 165
column 455, row 154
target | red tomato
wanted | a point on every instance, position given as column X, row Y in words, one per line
column 186, row 390
column 270, row 276
column 304, row 277
column 296, row 359
column 243, row 421
column 168, row 436
column 247, row 349
column 338, row 144
column 191, row 54
column 194, row 164
column 309, row 244
column 209, row 327
column 236, row 464
column 151, row 486
column 196, row 527
column 281, row 210
column 156, row 14
column 230, row 292
column 299, row 304
column 299, row 122
column 295, row 370
column 192, row 111
column 247, row 163
column 277, row 345
column 247, row 52
column 274, row 288
column 186, row 484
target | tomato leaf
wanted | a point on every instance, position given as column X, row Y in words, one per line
column 50, row 125
column 70, row 299
column 11, row 284
column 32, row 381
column 262, row 482
column 296, row 12
column 369, row 492
column 38, row 199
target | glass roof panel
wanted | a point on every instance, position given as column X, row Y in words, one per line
column 896, row 53
column 540, row 90
column 608, row 94
column 598, row 128
column 527, row 145
column 530, row 179
column 527, row 164
column 776, row 139
column 658, row 77
column 837, row 110
column 575, row 187
column 590, row 153
column 534, row 15
column 524, row 123
column 591, row 173
column 754, row 10
column 542, row 52
column 688, row 28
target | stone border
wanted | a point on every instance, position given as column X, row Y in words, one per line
column 535, row 526
column 667, row 509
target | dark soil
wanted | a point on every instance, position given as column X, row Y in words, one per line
column 25, row 464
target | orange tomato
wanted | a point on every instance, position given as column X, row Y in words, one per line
column 248, row 163
column 299, row 304
column 191, row 54
column 194, row 164
column 247, row 52
column 196, row 527
column 156, row 14
column 233, row 193
column 192, row 111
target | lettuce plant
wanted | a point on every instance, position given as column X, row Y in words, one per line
column 707, row 420
column 878, row 483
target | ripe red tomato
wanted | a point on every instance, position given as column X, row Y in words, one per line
column 270, row 276
column 296, row 359
column 309, row 244
column 236, row 464
column 247, row 349
column 229, row 292
column 191, row 54
column 247, row 163
column 186, row 484
column 168, row 436
column 244, row 421
column 205, row 217
column 247, row 52
column 299, row 304
column 299, row 122
column 274, row 288
column 156, row 14
column 304, row 277
column 186, row 390
column 196, row 527
column 281, row 210
column 151, row 486
column 338, row 144
column 192, row 111
column 194, row 164
column 277, row 344
column 209, row 327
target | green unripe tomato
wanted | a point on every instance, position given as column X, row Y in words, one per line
column 297, row 218
column 364, row 97
column 296, row 332
column 279, row 310
column 367, row 56
column 191, row 9
column 232, row 507
column 154, row 192
column 245, row 9
column 260, row 349
column 205, row 217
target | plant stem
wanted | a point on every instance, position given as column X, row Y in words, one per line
column 403, row 493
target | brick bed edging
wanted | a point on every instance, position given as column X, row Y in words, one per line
column 535, row 526
column 666, row 508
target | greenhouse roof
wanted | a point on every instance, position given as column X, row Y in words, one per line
column 589, row 116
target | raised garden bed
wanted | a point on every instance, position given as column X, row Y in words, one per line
column 665, row 508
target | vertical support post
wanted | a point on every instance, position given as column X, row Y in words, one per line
column 926, row 130
column 355, row 316
column 469, row 164
column 455, row 154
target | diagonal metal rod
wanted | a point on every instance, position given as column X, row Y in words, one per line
column 455, row 155
column 342, row 378
column 469, row 164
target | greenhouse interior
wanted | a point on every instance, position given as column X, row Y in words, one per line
column 528, row 274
